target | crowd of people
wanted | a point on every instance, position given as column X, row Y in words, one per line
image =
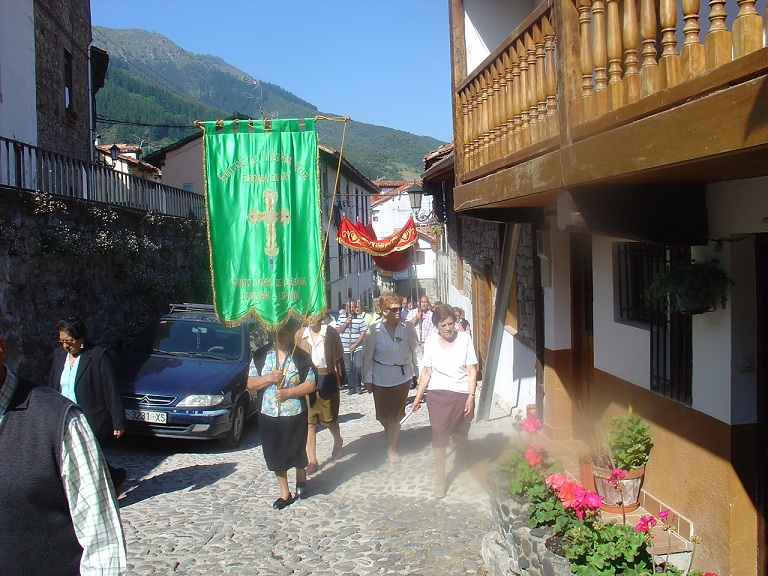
column 52, row 466
column 387, row 353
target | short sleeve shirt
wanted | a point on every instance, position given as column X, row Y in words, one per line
column 269, row 404
column 449, row 365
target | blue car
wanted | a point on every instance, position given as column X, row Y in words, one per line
column 184, row 376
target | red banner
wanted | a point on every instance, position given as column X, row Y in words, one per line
column 392, row 253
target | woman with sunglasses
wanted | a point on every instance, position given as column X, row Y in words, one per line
column 391, row 353
column 83, row 373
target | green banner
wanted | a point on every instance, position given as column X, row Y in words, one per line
column 262, row 201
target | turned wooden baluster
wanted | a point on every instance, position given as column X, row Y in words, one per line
column 465, row 131
column 718, row 40
column 517, row 106
column 550, row 79
column 747, row 29
column 587, row 90
column 533, row 111
column 669, row 61
column 485, row 119
column 650, row 78
column 508, row 131
column 615, row 85
column 541, row 97
column 473, row 148
column 525, row 137
column 497, row 72
column 693, row 55
column 631, row 36
column 600, row 56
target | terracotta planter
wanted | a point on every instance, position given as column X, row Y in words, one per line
column 613, row 498
column 586, row 476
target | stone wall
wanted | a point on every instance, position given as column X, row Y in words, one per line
column 513, row 548
column 113, row 267
column 62, row 25
column 481, row 243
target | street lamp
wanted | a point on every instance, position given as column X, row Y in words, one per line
column 415, row 194
column 114, row 152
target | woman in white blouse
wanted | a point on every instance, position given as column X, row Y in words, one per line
column 449, row 369
column 391, row 353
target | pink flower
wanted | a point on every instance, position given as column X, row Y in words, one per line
column 617, row 474
column 645, row 524
column 531, row 424
column 556, row 481
column 535, row 455
column 663, row 515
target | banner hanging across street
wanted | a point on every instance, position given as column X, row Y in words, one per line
column 392, row 253
column 262, row 202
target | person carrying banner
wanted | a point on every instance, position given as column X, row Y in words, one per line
column 322, row 342
column 285, row 377
column 390, row 360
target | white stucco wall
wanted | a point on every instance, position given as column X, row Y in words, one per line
column 724, row 341
column 620, row 349
column 488, row 22
column 18, row 114
column 185, row 166
column 515, row 382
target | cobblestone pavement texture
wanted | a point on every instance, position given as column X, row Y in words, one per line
column 193, row 508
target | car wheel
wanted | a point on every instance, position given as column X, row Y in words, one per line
column 235, row 434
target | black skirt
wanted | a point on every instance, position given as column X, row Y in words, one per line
column 284, row 441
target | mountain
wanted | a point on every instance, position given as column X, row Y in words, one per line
column 153, row 81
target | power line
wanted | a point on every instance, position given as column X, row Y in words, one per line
column 134, row 123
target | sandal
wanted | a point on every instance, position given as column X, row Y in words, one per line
column 281, row 503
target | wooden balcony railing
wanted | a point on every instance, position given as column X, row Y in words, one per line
column 576, row 66
column 33, row 169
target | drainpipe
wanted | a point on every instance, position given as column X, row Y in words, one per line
column 507, row 278
column 91, row 127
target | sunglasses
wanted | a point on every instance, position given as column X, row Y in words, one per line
column 395, row 309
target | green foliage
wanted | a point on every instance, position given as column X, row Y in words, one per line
column 597, row 549
column 183, row 87
column 688, row 281
column 526, row 478
column 629, row 441
column 546, row 510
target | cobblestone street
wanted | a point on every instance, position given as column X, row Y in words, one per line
column 192, row 508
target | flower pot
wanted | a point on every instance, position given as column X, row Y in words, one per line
column 691, row 307
column 615, row 499
column 586, row 476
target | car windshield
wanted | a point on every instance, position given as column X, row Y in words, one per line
column 190, row 338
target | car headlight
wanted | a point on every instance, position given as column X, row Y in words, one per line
column 201, row 400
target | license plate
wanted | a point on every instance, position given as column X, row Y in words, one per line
column 147, row 416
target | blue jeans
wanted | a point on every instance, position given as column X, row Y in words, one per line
column 352, row 364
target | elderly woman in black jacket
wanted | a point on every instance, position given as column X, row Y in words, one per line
column 83, row 373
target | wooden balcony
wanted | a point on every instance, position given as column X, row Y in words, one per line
column 592, row 94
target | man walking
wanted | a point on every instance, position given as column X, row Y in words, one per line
column 422, row 320
column 58, row 512
column 351, row 328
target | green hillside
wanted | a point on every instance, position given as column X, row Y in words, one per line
column 152, row 81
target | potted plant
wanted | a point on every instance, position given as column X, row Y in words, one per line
column 693, row 287
column 619, row 465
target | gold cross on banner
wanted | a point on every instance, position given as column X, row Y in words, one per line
column 270, row 217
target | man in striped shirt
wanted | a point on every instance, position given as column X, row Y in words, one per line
column 351, row 327
column 58, row 511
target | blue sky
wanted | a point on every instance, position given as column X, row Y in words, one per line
column 383, row 62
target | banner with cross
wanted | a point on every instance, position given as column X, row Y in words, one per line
column 263, row 209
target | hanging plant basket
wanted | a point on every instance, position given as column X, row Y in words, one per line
column 690, row 287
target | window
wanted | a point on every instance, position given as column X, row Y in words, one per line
column 68, row 79
column 636, row 264
column 671, row 358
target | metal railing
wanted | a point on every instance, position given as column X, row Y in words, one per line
column 33, row 169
